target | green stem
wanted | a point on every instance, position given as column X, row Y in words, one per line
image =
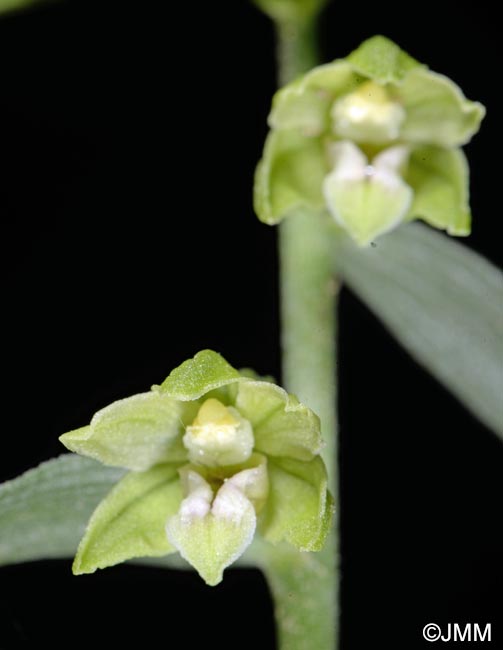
column 305, row 587
column 308, row 311
column 297, row 49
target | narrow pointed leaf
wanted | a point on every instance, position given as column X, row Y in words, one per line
column 444, row 304
column 44, row 512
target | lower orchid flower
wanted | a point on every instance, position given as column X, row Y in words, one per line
column 215, row 457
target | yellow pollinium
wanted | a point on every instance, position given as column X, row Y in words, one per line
column 218, row 436
column 368, row 115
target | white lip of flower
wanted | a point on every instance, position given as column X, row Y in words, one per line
column 368, row 115
column 218, row 436
column 211, row 530
column 367, row 199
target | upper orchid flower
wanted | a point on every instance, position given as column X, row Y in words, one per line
column 374, row 139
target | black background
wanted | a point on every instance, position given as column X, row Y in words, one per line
column 129, row 135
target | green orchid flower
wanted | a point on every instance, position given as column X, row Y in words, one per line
column 374, row 140
column 215, row 456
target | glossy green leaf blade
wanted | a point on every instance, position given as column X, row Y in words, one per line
column 444, row 303
column 44, row 512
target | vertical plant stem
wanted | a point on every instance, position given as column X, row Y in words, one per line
column 308, row 321
column 297, row 49
column 305, row 587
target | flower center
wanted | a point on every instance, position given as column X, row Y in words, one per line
column 367, row 115
column 218, row 436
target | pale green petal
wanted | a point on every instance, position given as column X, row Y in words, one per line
column 298, row 508
column 137, row 432
column 289, row 176
column 207, row 371
column 305, row 103
column 281, row 425
column 366, row 201
column 212, row 536
column 130, row 521
column 440, row 180
column 380, row 59
column 436, row 110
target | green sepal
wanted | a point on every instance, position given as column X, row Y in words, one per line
column 281, row 425
column 289, row 176
column 137, row 432
column 381, row 60
column 206, row 372
column 130, row 521
column 436, row 110
column 440, row 180
column 298, row 509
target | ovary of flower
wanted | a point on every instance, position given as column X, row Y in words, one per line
column 367, row 115
column 218, row 436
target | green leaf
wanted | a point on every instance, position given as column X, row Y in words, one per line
column 298, row 509
column 207, row 371
column 440, row 180
column 444, row 303
column 281, row 425
column 130, row 521
column 289, row 176
column 211, row 536
column 436, row 110
column 136, row 432
column 382, row 60
column 43, row 513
